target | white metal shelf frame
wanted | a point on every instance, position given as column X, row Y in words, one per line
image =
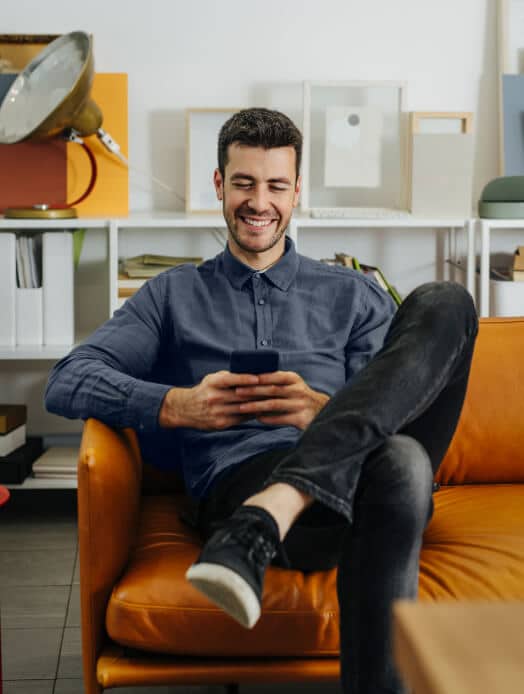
column 452, row 225
column 486, row 227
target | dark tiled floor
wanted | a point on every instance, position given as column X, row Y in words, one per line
column 40, row 607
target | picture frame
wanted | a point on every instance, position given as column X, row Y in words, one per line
column 510, row 54
column 441, row 156
column 202, row 129
column 440, row 122
column 355, row 144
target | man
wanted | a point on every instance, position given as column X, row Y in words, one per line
column 328, row 461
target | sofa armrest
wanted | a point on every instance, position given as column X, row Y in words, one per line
column 109, row 491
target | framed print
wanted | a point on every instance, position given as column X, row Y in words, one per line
column 354, row 145
column 202, row 128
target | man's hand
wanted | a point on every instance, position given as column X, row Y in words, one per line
column 281, row 398
column 210, row 406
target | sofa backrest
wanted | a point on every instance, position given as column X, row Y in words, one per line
column 488, row 445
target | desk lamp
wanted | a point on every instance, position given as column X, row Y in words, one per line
column 50, row 98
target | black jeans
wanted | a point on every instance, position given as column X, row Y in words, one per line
column 369, row 458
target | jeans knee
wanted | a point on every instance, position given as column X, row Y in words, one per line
column 401, row 476
column 445, row 302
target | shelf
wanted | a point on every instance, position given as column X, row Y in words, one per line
column 37, row 352
column 42, row 352
column 41, row 483
column 167, row 220
column 44, row 224
column 304, row 221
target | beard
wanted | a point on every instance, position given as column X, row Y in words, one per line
column 232, row 228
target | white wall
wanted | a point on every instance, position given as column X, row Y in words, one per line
column 188, row 53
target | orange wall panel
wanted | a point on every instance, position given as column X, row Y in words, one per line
column 110, row 196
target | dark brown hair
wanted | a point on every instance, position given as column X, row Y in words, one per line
column 259, row 127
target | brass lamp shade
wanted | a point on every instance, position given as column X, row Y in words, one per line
column 52, row 93
column 49, row 96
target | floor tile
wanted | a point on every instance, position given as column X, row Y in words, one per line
column 73, row 611
column 30, row 534
column 28, row 687
column 33, row 607
column 70, row 665
column 30, row 654
column 36, row 568
column 76, row 577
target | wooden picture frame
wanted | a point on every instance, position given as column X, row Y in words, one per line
column 441, row 122
column 202, row 128
column 441, row 149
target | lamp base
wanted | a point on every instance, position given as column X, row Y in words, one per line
column 40, row 212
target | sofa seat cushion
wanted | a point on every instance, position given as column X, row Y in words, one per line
column 474, row 549
column 474, row 546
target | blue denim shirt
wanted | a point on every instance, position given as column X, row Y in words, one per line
column 325, row 321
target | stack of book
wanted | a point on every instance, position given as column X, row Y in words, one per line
column 58, row 462
column 134, row 272
column 17, row 451
column 371, row 271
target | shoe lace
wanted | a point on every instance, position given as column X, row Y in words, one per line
column 260, row 548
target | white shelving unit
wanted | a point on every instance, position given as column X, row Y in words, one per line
column 115, row 227
column 486, row 227
column 451, row 225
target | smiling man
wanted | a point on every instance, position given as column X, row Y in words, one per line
column 258, row 194
column 327, row 461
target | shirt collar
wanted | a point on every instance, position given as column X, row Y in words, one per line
column 281, row 274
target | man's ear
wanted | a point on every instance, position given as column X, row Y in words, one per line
column 298, row 188
column 219, row 184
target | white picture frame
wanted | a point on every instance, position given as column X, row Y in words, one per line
column 202, row 129
column 379, row 150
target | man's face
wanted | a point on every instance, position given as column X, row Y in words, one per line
column 258, row 193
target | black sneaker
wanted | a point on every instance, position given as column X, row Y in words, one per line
column 230, row 569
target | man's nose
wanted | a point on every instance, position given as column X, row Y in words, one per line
column 259, row 200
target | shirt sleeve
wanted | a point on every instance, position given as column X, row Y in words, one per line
column 106, row 376
column 377, row 309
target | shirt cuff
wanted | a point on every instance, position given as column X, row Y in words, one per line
column 144, row 405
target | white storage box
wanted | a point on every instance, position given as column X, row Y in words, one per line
column 506, row 298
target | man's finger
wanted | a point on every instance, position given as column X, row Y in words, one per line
column 254, row 392
column 226, row 379
column 270, row 405
column 279, row 378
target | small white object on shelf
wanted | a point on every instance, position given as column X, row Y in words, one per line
column 358, row 213
column 12, row 440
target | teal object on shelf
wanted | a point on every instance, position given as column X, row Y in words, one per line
column 503, row 198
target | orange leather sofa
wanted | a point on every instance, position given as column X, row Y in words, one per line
column 142, row 623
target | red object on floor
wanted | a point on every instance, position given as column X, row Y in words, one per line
column 4, row 498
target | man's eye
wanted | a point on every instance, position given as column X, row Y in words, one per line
column 279, row 189
column 242, row 185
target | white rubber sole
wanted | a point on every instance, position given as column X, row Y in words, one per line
column 226, row 589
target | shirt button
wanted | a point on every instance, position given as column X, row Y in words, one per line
column 263, row 342
column 256, row 277
column 261, row 301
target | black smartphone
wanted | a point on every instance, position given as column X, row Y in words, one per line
column 254, row 361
